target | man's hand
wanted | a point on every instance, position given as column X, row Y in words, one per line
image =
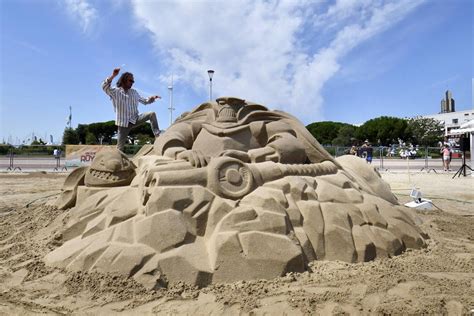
column 115, row 72
column 154, row 97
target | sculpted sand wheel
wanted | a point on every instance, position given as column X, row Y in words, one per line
column 231, row 191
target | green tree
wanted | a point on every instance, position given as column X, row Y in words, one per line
column 142, row 133
column 345, row 136
column 143, row 139
column 91, row 139
column 325, row 132
column 102, row 131
column 424, row 131
column 70, row 137
column 82, row 132
column 384, row 129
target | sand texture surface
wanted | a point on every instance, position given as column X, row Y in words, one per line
column 436, row 280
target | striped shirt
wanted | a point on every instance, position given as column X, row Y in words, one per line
column 125, row 103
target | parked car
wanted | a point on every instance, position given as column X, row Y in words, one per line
column 456, row 153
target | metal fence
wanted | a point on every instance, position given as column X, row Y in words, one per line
column 41, row 157
column 13, row 158
column 425, row 159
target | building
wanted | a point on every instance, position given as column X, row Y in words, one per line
column 452, row 120
column 449, row 117
column 447, row 104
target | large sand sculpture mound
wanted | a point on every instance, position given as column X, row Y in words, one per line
column 231, row 191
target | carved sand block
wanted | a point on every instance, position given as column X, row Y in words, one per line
column 231, row 191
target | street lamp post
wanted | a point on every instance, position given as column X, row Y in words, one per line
column 210, row 72
column 171, row 108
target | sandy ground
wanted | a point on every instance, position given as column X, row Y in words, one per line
column 435, row 280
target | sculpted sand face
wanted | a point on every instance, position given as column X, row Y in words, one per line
column 110, row 168
column 231, row 191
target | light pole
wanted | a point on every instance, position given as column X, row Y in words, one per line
column 210, row 72
column 171, row 108
column 69, row 122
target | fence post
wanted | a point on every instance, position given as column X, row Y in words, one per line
column 381, row 157
column 381, row 152
column 426, row 167
column 426, row 159
column 11, row 167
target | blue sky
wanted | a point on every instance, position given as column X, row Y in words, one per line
column 346, row 60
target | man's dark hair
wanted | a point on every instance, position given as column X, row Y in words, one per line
column 123, row 77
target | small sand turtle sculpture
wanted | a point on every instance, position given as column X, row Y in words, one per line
column 231, row 191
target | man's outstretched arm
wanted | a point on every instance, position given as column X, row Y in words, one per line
column 106, row 84
column 148, row 100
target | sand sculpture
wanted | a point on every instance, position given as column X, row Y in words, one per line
column 231, row 191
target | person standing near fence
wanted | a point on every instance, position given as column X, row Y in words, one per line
column 369, row 150
column 353, row 150
column 125, row 101
column 446, row 152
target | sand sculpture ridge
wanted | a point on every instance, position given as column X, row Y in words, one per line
column 231, row 191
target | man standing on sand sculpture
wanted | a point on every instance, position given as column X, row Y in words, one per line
column 125, row 101
column 241, row 130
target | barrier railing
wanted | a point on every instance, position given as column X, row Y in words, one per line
column 385, row 157
column 13, row 158
column 36, row 156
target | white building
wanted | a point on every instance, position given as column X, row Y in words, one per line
column 448, row 115
column 452, row 120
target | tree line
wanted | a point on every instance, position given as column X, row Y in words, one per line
column 382, row 131
column 103, row 133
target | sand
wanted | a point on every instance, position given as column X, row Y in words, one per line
column 435, row 280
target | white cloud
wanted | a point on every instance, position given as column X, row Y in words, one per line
column 257, row 47
column 83, row 12
column 32, row 47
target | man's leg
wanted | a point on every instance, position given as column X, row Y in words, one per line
column 150, row 116
column 122, row 134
